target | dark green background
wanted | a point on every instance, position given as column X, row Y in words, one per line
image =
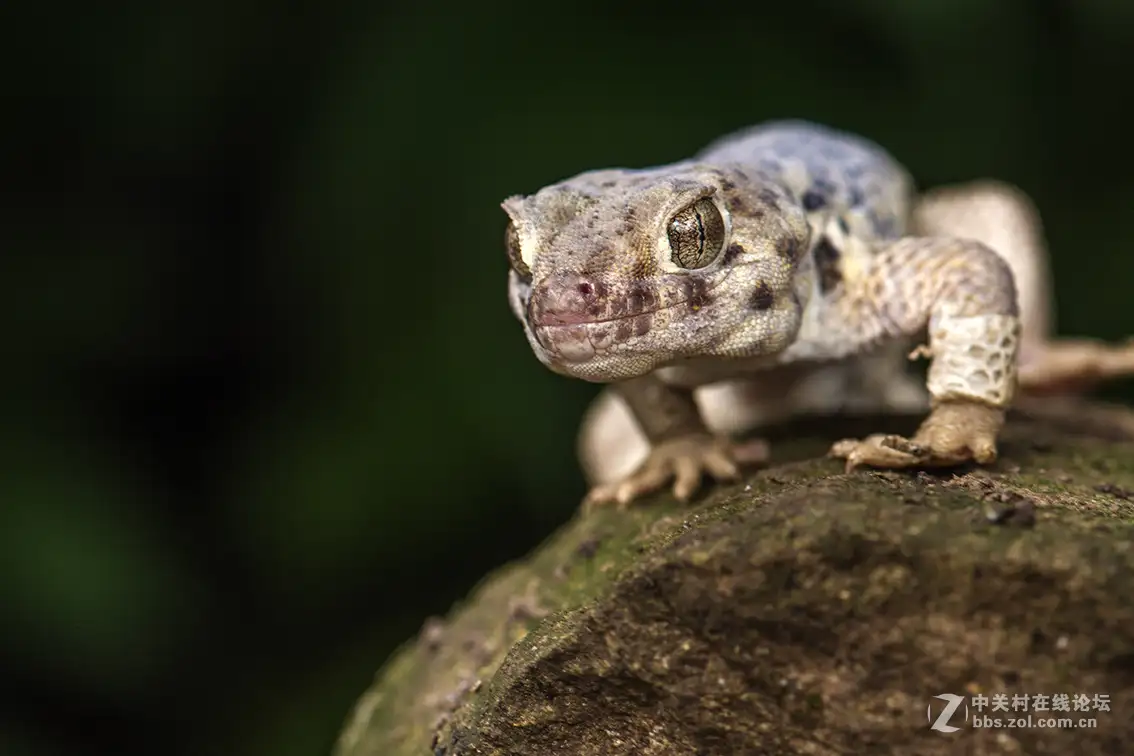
column 264, row 406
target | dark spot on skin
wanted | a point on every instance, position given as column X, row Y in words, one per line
column 738, row 206
column 623, row 331
column 787, row 246
column 641, row 325
column 734, row 251
column 609, row 184
column 885, row 227
column 769, row 198
column 827, row 265
column 843, row 225
column 617, row 307
column 634, row 299
column 601, row 300
column 594, row 296
column 813, row 200
column 762, row 297
column 727, row 185
column 823, row 186
column 697, row 294
column 856, row 198
column 640, row 298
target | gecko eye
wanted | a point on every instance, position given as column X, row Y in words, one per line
column 512, row 245
column 696, row 234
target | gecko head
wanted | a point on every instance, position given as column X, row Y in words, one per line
column 617, row 272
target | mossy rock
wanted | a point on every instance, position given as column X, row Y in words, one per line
column 802, row 611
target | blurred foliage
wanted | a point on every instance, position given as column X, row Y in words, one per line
column 265, row 406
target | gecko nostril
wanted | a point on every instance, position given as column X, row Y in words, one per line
column 585, row 289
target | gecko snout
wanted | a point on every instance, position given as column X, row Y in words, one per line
column 568, row 299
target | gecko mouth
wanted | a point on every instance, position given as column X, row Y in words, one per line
column 583, row 340
column 575, row 320
column 550, row 321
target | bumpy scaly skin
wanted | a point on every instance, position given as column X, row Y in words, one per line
column 786, row 268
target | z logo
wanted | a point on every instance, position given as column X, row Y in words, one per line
column 952, row 703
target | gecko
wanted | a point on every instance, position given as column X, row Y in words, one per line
column 788, row 268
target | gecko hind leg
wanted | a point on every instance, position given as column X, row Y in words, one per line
column 1005, row 219
column 1072, row 366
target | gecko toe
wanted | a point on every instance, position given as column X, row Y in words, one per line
column 984, row 451
column 600, row 494
column 685, row 461
column 687, row 478
column 843, row 448
column 650, row 478
column 879, row 450
column 721, row 467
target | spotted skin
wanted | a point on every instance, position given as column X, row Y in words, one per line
column 785, row 269
column 826, row 171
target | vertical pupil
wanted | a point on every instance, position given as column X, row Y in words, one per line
column 692, row 231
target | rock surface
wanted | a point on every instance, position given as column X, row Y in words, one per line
column 802, row 611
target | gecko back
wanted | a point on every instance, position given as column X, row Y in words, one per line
column 827, row 170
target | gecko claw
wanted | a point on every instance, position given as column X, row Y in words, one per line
column 685, row 461
column 954, row 433
column 879, row 450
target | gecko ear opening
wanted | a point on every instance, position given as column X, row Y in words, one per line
column 696, row 234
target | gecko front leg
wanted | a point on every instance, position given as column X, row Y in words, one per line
column 1007, row 220
column 963, row 294
column 682, row 449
